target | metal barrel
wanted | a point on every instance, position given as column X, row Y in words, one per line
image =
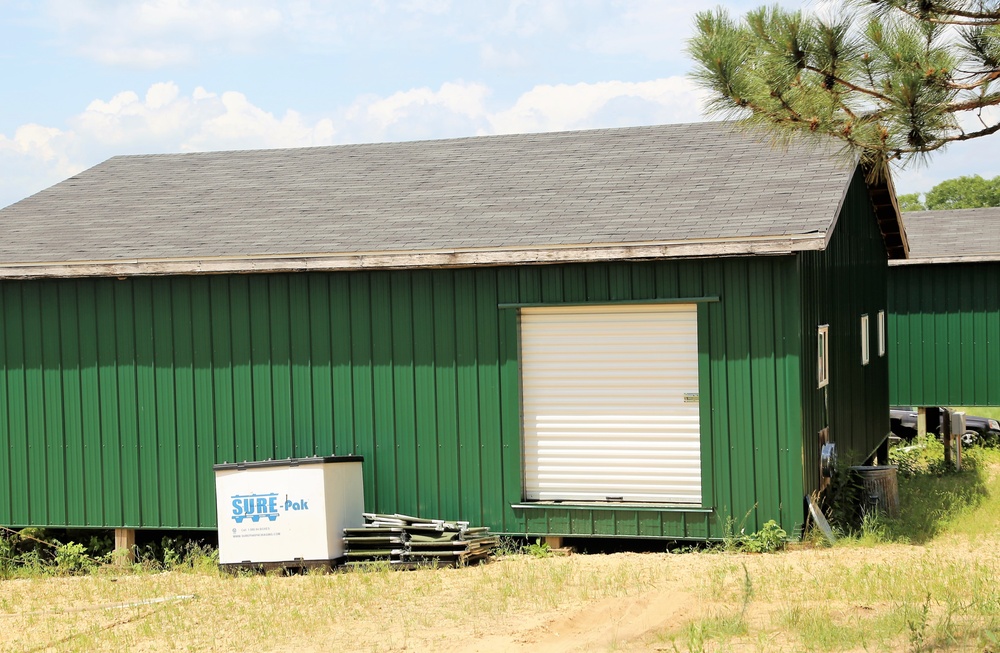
column 880, row 488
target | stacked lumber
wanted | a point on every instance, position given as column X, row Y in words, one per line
column 409, row 542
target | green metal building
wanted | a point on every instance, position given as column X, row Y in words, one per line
column 635, row 332
column 944, row 311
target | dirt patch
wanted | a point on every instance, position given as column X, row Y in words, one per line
column 852, row 597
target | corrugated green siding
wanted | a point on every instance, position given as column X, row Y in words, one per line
column 944, row 334
column 118, row 396
column 840, row 284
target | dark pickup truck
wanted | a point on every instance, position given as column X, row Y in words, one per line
column 903, row 423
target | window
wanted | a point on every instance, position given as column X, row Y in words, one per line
column 881, row 333
column 823, row 362
column 865, row 350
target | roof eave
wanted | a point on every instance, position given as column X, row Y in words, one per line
column 454, row 258
column 936, row 260
column 888, row 216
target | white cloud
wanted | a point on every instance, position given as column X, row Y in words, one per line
column 163, row 119
column 153, row 33
column 579, row 106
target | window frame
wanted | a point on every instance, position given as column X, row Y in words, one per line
column 823, row 356
column 881, row 333
column 866, row 349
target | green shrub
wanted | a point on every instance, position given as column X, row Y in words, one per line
column 72, row 558
column 768, row 539
column 539, row 549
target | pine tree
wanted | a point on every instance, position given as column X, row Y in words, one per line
column 893, row 79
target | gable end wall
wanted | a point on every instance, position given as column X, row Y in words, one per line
column 840, row 284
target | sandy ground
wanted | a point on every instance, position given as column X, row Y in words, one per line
column 620, row 602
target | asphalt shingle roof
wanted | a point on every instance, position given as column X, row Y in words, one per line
column 958, row 233
column 667, row 183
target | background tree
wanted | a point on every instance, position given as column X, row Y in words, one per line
column 911, row 202
column 893, row 79
column 960, row 193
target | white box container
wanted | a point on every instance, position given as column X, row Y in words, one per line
column 291, row 511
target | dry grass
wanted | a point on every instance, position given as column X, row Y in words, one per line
column 942, row 594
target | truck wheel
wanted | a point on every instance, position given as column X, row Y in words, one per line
column 969, row 438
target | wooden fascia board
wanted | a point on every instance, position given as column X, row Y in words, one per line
column 408, row 260
column 938, row 260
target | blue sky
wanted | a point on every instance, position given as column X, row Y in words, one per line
column 89, row 79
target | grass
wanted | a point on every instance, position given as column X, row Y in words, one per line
column 924, row 582
column 875, row 590
column 980, row 411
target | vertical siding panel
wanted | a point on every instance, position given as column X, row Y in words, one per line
column 575, row 282
column 470, row 438
column 551, row 282
column 321, row 365
column 967, row 357
column 446, row 385
column 52, row 434
column 789, row 346
column 146, row 393
column 279, row 362
column 765, row 386
column 188, row 475
column 597, row 280
column 383, row 397
column 261, row 369
column 69, row 368
column 127, row 323
column 405, row 428
column 91, row 498
column 643, row 282
column 992, row 337
column 341, row 367
column 529, row 281
column 203, row 421
column 17, row 416
column 620, row 282
column 243, row 319
column 721, row 434
column 918, row 369
column 425, row 399
column 490, row 448
column 225, row 387
column 300, row 390
column 164, row 397
column 110, row 394
column 361, row 380
column 980, row 371
column 900, row 352
column 510, row 398
column 39, row 487
column 667, row 279
column 7, row 444
column 945, row 327
column 741, row 416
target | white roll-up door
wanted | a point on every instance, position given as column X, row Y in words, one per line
column 610, row 403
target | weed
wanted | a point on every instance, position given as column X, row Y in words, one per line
column 508, row 546
column 768, row 539
column 916, row 625
column 72, row 558
column 843, row 499
column 539, row 549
